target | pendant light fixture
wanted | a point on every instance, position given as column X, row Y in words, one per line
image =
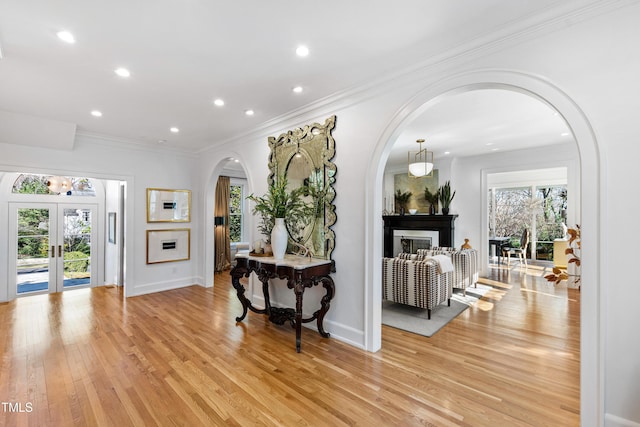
column 420, row 162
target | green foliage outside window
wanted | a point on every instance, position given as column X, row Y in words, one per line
column 33, row 233
column 550, row 217
column 37, row 184
column 31, row 184
column 516, row 208
column 235, row 213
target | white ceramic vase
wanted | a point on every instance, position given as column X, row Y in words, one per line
column 279, row 237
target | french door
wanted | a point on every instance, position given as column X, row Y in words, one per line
column 51, row 247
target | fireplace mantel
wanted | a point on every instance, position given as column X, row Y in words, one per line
column 443, row 224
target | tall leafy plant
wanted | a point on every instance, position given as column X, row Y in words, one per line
column 402, row 199
column 278, row 202
column 432, row 198
column 446, row 195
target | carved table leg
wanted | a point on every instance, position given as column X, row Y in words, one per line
column 236, row 274
column 328, row 284
column 299, row 291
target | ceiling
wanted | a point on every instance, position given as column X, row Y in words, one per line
column 184, row 54
column 482, row 121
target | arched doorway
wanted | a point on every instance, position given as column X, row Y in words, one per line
column 236, row 218
column 590, row 203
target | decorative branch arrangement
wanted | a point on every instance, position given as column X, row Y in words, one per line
column 573, row 249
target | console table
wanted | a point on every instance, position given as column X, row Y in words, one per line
column 300, row 273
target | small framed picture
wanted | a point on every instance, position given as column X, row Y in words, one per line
column 111, row 228
column 168, row 245
column 164, row 205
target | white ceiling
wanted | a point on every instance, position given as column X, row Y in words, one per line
column 183, row 54
column 479, row 122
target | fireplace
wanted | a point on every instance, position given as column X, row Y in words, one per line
column 410, row 241
column 440, row 225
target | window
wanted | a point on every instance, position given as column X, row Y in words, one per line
column 541, row 209
column 39, row 184
column 236, row 212
column 551, row 217
column 511, row 212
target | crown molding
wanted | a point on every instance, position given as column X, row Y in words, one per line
column 110, row 141
column 546, row 21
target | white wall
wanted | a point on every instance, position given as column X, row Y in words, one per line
column 470, row 175
column 112, row 250
column 585, row 69
column 141, row 169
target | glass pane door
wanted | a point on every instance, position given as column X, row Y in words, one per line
column 51, row 247
column 34, row 250
column 76, row 246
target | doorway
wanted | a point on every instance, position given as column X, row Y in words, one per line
column 50, row 247
column 590, row 203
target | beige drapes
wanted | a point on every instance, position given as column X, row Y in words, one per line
column 222, row 240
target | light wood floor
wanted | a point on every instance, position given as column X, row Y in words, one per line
column 88, row 357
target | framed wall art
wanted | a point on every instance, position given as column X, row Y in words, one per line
column 168, row 245
column 165, row 205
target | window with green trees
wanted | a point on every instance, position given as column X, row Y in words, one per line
column 236, row 212
column 541, row 209
column 551, row 217
column 37, row 184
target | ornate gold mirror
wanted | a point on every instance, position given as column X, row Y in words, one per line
column 303, row 156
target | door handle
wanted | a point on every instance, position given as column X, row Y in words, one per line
column 53, row 251
column 59, row 251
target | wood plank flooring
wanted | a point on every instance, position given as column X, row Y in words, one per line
column 89, row 357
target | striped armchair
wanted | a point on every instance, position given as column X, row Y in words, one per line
column 415, row 282
column 465, row 263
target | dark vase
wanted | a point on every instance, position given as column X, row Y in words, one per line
column 432, row 210
column 401, row 211
column 445, row 211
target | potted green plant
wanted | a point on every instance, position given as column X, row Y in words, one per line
column 276, row 206
column 432, row 199
column 446, row 196
column 402, row 199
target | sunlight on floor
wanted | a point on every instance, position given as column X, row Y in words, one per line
column 494, row 283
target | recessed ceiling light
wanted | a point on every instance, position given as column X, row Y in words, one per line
column 219, row 102
column 297, row 89
column 564, row 134
column 174, row 129
column 122, row 72
column 249, row 112
column 66, row 36
column 236, row 160
column 96, row 113
column 447, row 153
column 302, row 51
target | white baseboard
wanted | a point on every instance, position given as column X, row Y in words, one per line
column 337, row 330
column 611, row 420
column 168, row 285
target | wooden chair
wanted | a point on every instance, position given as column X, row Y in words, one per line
column 520, row 251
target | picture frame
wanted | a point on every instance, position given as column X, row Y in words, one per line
column 166, row 205
column 111, row 228
column 168, row 245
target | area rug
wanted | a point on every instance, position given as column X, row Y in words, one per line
column 414, row 319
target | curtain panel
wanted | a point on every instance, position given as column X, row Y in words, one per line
column 222, row 240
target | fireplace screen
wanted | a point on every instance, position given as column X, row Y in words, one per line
column 411, row 244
